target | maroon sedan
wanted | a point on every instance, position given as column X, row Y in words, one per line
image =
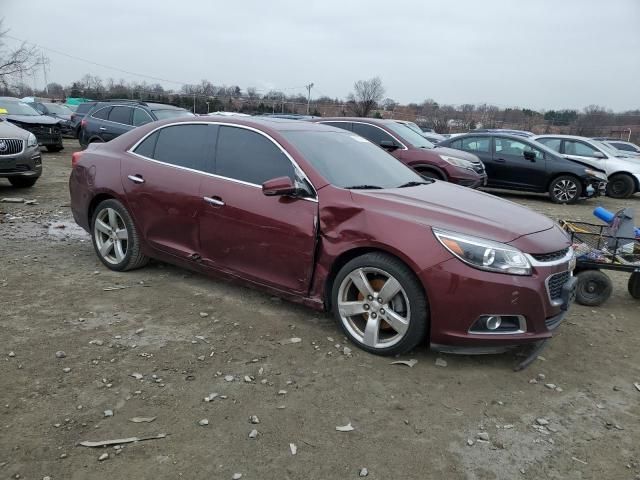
column 322, row 216
column 414, row 150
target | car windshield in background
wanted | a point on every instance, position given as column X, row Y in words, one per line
column 58, row 108
column 609, row 149
column 347, row 160
column 19, row 108
column 171, row 113
column 414, row 138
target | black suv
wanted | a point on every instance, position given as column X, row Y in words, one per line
column 517, row 163
column 108, row 120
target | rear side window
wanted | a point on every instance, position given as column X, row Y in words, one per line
column 476, row 144
column 180, row 145
column 120, row 115
column 140, row 117
column 102, row 114
column 373, row 134
column 342, row 125
column 552, row 143
column 248, row 156
column 572, row 147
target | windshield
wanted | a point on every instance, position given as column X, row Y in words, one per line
column 348, row 160
column 609, row 149
column 172, row 113
column 414, row 138
column 58, row 108
column 18, row 108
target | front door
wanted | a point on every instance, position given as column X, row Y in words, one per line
column 519, row 165
column 269, row 240
column 162, row 181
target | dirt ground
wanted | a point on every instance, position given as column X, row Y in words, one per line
column 188, row 336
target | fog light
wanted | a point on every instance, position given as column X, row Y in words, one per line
column 493, row 323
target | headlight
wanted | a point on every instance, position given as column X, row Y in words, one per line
column 457, row 162
column 595, row 173
column 32, row 141
column 484, row 254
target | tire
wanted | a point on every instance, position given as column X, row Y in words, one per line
column 54, row 148
column 593, row 289
column 402, row 321
column 428, row 174
column 634, row 285
column 620, row 186
column 125, row 253
column 19, row 182
column 565, row 189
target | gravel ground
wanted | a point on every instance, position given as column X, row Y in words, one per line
column 159, row 342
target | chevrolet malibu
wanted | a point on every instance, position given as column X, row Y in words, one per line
column 321, row 216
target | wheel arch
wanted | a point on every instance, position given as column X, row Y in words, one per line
column 432, row 168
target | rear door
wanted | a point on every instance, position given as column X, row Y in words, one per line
column 514, row 169
column 162, row 179
column 269, row 240
column 118, row 122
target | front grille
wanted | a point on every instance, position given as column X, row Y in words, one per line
column 555, row 284
column 550, row 257
column 11, row 146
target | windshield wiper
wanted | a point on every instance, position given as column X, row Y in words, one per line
column 414, row 184
column 363, row 187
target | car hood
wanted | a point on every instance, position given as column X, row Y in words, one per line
column 9, row 130
column 459, row 209
column 457, row 154
column 33, row 119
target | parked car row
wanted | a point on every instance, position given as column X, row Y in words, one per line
column 314, row 212
column 47, row 130
column 20, row 159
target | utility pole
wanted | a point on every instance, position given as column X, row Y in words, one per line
column 308, row 87
column 44, row 71
column 194, row 103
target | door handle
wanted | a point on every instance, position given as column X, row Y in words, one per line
column 501, row 160
column 102, row 129
column 217, row 201
column 136, row 178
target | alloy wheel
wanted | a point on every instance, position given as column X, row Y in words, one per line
column 565, row 190
column 373, row 307
column 111, row 236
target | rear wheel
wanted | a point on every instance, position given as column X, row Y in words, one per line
column 594, row 288
column 380, row 305
column 621, row 186
column 19, row 182
column 115, row 237
column 634, row 285
column 565, row 189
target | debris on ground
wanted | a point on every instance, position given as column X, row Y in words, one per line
column 288, row 341
column 103, row 457
column 408, row 363
column 253, row 433
column 293, row 448
column 236, row 476
column 60, row 354
column 142, row 419
column 12, row 200
column 363, row 472
column 345, row 428
column 137, row 376
column 108, row 413
column 254, row 419
column 637, row 385
column 483, row 436
column 119, row 441
column 440, row 362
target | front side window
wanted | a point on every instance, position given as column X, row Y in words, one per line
column 476, row 144
column 507, row 146
column 374, row 134
column 120, row 115
column 572, row 147
column 180, row 145
column 248, row 156
column 140, row 117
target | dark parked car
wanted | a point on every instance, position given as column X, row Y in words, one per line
column 20, row 159
column 108, row 120
column 506, row 131
column 59, row 111
column 517, row 163
column 414, row 150
column 45, row 128
column 78, row 115
column 323, row 217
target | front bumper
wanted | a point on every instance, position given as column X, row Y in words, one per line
column 47, row 135
column 459, row 295
column 468, row 178
column 26, row 164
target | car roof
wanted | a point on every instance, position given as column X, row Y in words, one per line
column 511, row 136
column 572, row 137
column 374, row 121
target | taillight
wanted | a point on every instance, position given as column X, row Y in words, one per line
column 83, row 122
column 75, row 158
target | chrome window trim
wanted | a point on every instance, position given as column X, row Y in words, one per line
column 522, row 325
column 537, row 263
column 404, row 147
column 234, row 180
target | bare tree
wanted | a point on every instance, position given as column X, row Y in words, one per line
column 366, row 95
column 17, row 62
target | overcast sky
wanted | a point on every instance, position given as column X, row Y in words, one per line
column 541, row 54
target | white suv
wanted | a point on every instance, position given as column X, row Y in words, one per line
column 622, row 171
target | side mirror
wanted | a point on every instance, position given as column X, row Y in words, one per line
column 388, row 145
column 599, row 155
column 278, row 187
column 529, row 155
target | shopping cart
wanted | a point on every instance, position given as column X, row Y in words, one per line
column 597, row 249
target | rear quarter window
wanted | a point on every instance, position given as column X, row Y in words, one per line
column 102, row 113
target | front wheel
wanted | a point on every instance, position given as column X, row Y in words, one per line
column 565, row 189
column 634, row 285
column 20, row 182
column 620, row 186
column 115, row 237
column 54, row 148
column 594, row 288
column 380, row 305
